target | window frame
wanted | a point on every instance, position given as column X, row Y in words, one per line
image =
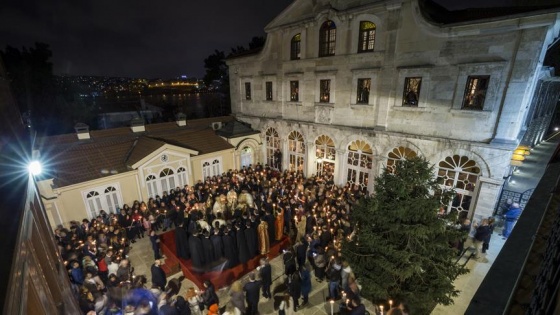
column 406, row 90
column 327, row 39
column 291, row 91
column 358, row 86
column 474, row 91
column 369, row 33
column 295, row 47
column 247, row 91
column 325, row 97
column 268, row 91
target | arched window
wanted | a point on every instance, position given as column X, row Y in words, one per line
column 296, row 151
column 272, row 143
column 359, row 164
column 295, row 47
column 112, row 198
column 327, row 39
column 460, row 173
column 182, row 176
column 151, row 183
column 246, row 156
column 325, row 154
column 366, row 42
column 211, row 168
column 398, row 154
column 94, row 202
column 167, row 179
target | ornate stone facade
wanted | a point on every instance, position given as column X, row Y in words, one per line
column 380, row 80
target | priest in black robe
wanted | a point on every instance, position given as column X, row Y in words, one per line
column 182, row 243
column 208, row 248
column 196, row 250
column 217, row 243
column 230, row 248
column 242, row 248
column 251, row 238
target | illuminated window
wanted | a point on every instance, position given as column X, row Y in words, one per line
column 294, row 91
column 296, row 151
column 248, row 90
column 111, row 196
column 272, row 143
column 151, row 183
column 364, row 86
column 324, row 91
column 268, row 90
column 295, row 47
column 182, row 176
column 211, row 168
column 325, row 153
column 367, row 36
column 475, row 92
column 411, row 92
column 359, row 163
column 459, row 173
column 327, row 39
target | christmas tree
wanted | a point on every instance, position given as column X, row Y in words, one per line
column 401, row 249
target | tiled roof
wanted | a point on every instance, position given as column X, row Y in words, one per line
column 113, row 151
column 235, row 129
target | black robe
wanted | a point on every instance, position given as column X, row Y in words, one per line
column 208, row 249
column 242, row 248
column 182, row 243
column 195, row 246
column 230, row 250
column 252, row 241
column 218, row 246
column 269, row 218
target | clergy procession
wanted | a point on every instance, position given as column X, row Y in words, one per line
column 221, row 223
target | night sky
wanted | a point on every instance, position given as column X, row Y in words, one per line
column 136, row 38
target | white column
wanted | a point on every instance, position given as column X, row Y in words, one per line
column 485, row 197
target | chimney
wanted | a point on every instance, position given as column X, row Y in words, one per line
column 181, row 119
column 82, row 131
column 137, row 124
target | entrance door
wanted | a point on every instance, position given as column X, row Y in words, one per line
column 246, row 157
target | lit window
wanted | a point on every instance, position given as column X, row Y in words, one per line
column 461, row 174
column 411, row 92
column 325, row 91
column 359, row 163
column 327, row 39
column 475, row 92
column 397, row 155
column 364, row 86
column 294, row 91
column 295, row 47
column 272, row 145
column 296, row 151
column 367, row 36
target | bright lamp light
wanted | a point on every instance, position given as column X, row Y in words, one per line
column 35, row 168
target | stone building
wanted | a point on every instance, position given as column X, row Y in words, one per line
column 350, row 87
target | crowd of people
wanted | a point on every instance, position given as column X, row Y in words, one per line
column 219, row 223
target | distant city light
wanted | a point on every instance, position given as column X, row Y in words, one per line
column 35, row 168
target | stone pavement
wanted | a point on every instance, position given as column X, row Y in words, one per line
column 142, row 257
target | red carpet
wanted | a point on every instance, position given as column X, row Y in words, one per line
column 220, row 279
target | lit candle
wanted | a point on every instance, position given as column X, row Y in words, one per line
column 332, row 303
column 381, row 307
column 390, row 303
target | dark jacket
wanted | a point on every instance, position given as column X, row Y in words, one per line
column 158, row 277
column 266, row 274
column 252, row 292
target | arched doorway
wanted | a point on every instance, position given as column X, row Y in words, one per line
column 325, row 154
column 459, row 173
column 246, row 156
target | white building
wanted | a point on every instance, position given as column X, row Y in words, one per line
column 354, row 85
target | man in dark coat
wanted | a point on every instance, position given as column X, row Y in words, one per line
column 195, row 246
column 230, row 248
column 252, row 294
column 301, row 251
column 158, row 275
column 266, row 277
column 242, row 248
column 294, row 287
column 251, row 238
column 182, row 242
